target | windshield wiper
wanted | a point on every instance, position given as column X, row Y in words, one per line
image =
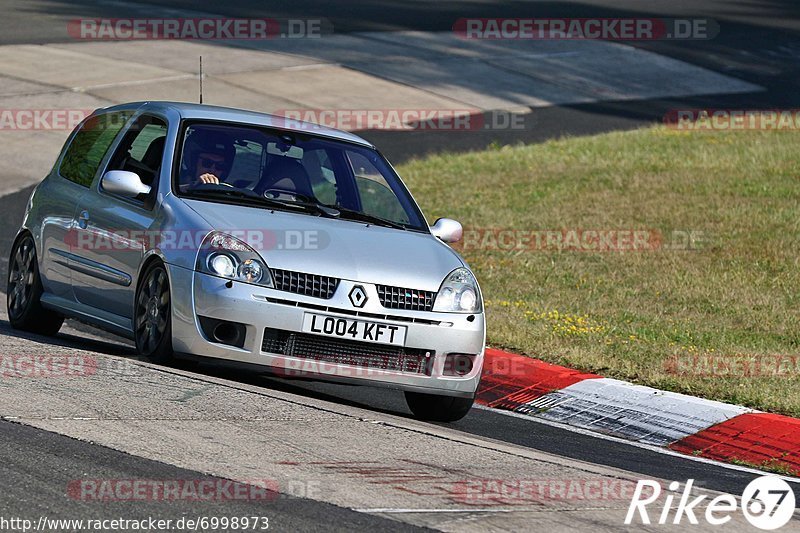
column 303, row 202
column 352, row 214
column 337, row 211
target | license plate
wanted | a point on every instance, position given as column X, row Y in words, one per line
column 357, row 330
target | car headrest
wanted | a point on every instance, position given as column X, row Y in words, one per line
column 153, row 155
column 288, row 174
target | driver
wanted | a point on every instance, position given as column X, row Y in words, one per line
column 208, row 157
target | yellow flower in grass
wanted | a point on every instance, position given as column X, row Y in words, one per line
column 567, row 324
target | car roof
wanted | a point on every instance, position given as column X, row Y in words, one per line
column 228, row 114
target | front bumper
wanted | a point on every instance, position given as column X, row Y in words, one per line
column 195, row 294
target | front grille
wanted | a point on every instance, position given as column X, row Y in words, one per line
column 305, row 284
column 363, row 314
column 339, row 351
column 408, row 299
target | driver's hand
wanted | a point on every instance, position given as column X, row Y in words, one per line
column 209, row 178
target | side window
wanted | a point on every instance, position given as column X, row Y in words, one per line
column 142, row 149
column 89, row 146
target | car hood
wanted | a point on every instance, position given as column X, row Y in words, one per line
column 338, row 248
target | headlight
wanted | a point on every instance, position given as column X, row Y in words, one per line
column 458, row 293
column 225, row 256
column 222, row 265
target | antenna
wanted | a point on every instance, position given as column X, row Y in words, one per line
column 201, row 79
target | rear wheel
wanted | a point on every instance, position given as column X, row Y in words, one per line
column 24, row 291
column 153, row 315
column 437, row 408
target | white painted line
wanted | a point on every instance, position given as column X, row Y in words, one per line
column 133, row 82
column 649, row 447
column 476, row 510
column 311, row 66
column 481, row 510
column 637, row 412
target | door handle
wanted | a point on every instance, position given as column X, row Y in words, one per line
column 83, row 219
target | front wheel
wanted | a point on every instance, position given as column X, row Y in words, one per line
column 153, row 316
column 435, row 408
column 24, row 291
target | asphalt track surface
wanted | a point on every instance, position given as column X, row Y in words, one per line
column 36, row 465
column 759, row 42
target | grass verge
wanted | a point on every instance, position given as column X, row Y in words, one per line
column 709, row 307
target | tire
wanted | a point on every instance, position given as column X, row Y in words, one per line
column 435, row 408
column 24, row 291
column 152, row 317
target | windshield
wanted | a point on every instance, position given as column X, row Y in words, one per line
column 242, row 164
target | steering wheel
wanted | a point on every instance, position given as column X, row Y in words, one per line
column 209, row 186
column 275, row 194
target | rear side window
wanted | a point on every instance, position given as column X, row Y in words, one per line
column 144, row 140
column 141, row 149
column 87, row 149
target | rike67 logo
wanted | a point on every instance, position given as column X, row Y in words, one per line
column 767, row 503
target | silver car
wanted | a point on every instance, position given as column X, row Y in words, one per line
column 239, row 236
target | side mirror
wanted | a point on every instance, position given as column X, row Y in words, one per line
column 124, row 183
column 447, row 230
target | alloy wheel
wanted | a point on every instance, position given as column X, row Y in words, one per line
column 21, row 277
column 152, row 310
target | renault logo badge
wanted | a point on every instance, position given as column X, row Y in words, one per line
column 358, row 296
